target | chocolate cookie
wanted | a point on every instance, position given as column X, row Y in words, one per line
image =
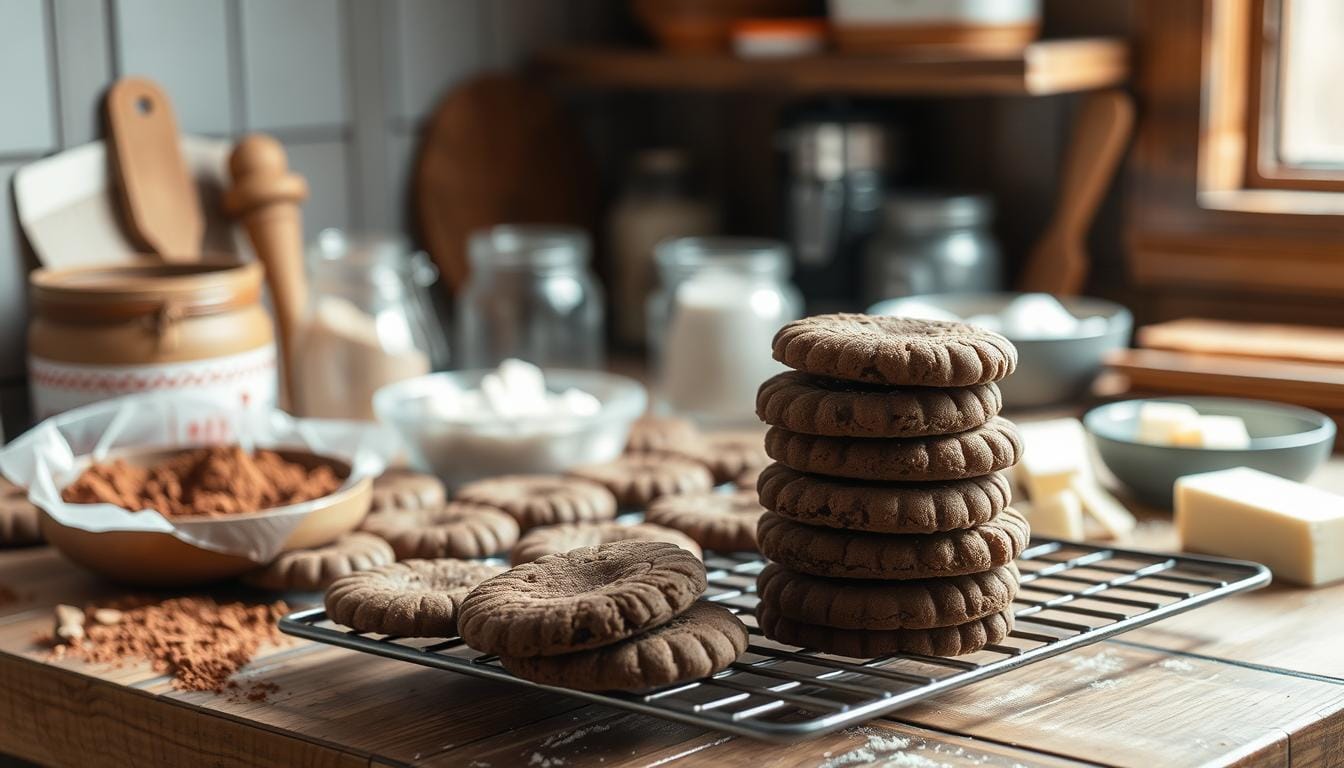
column 895, row 350
column 814, row 405
column 414, row 598
column 703, row 640
column 581, row 599
column 657, row 434
column 308, row 570
column 721, row 521
column 637, row 479
column 399, row 490
column 18, row 517
column 862, row 555
column 748, row 479
column 457, row 529
column 535, row 500
column 918, row 604
column 988, row 448
column 552, row 539
column 728, row 454
column 883, row 507
column 870, row 643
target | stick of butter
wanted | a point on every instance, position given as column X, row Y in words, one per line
column 1295, row 529
column 1054, row 517
column 1101, row 506
column 1163, row 423
column 1055, row 452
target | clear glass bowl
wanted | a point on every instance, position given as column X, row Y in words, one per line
column 460, row 448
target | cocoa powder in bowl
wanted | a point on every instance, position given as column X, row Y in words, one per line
column 221, row 480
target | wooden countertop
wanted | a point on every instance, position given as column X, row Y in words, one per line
column 1256, row 679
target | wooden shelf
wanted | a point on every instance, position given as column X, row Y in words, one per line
column 1042, row 68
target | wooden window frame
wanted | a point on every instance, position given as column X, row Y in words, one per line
column 1194, row 220
column 1264, row 170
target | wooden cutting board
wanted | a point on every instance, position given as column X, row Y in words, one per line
column 1255, row 340
column 497, row 150
column 1311, row 385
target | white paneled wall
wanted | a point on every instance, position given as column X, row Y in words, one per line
column 344, row 83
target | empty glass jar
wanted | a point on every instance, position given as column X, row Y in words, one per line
column 933, row 243
column 531, row 295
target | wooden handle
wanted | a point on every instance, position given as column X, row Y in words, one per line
column 266, row 198
column 158, row 195
column 1058, row 263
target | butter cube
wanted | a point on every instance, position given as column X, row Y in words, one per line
column 1295, row 529
column 1227, row 432
column 1056, row 517
column 1055, row 452
column 1101, row 506
column 1167, row 424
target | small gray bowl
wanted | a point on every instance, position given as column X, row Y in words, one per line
column 1285, row 440
column 1049, row 371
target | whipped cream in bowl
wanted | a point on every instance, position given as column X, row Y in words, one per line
column 517, row 418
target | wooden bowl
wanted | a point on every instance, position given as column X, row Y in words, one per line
column 150, row 558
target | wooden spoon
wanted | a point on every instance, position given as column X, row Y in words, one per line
column 1058, row 263
column 161, row 207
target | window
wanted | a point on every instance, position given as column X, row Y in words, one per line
column 1296, row 116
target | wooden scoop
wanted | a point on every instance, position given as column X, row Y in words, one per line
column 159, row 201
column 1058, row 263
column 266, row 198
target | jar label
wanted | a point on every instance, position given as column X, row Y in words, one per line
column 248, row 379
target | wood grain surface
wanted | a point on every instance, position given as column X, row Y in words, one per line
column 1254, row 680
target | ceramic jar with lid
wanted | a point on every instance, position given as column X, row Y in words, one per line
column 102, row 332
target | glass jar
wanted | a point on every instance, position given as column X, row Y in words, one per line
column 530, row 296
column 369, row 323
column 713, row 320
column 933, row 243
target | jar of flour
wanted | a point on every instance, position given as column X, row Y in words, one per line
column 719, row 304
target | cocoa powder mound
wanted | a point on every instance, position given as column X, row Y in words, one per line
column 197, row 641
column 223, row 480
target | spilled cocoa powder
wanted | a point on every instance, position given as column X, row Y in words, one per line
column 223, row 480
column 197, row 641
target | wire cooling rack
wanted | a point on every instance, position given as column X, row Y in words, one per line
column 1072, row 595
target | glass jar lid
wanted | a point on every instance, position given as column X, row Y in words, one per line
column 743, row 255
column 529, row 245
column 927, row 211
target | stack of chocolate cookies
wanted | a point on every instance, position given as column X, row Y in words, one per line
column 888, row 524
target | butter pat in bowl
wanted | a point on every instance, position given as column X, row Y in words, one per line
column 517, row 419
column 1148, row 444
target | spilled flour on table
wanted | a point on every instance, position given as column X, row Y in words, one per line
column 1104, row 685
column 542, row 761
column 1176, row 665
column 569, row 737
column 882, row 749
column 1104, row 663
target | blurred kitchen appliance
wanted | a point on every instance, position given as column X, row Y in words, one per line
column 837, row 168
column 933, row 243
column 655, row 205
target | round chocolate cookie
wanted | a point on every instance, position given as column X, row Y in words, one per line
column 414, row 598
column 535, row 500
column 918, row 604
column 722, row 521
column 581, row 599
column 895, row 350
column 399, row 490
column 308, row 570
column 862, row 555
column 728, row 454
column 18, row 517
column 657, row 434
column 991, row 447
column 457, row 529
column 956, row 640
column 883, row 507
column 747, row 480
column 552, row 539
column 703, row 640
column 637, row 479
column 814, row 405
